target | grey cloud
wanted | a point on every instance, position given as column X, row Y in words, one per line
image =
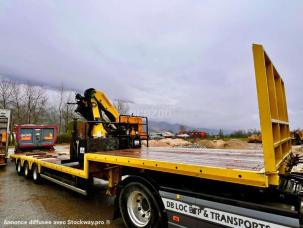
column 193, row 57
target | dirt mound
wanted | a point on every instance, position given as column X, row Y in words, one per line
column 212, row 144
column 176, row 142
column 156, row 143
column 169, row 143
column 204, row 143
column 297, row 149
column 298, row 168
column 237, row 144
column 221, row 144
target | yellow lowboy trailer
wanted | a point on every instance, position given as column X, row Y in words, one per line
column 191, row 187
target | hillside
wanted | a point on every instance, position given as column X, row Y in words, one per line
column 158, row 126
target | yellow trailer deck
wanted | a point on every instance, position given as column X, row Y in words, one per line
column 259, row 168
column 236, row 166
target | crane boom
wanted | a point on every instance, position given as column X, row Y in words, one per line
column 107, row 129
column 95, row 106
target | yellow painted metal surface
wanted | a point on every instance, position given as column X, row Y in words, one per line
column 99, row 97
column 102, row 98
column 214, row 173
column 273, row 115
column 98, row 129
column 58, row 167
column 252, row 178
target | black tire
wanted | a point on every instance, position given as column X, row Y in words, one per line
column 135, row 213
column 27, row 171
column 35, row 174
column 19, row 168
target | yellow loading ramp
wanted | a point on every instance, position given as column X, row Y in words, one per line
column 254, row 168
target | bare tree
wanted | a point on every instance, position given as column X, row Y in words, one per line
column 221, row 134
column 29, row 104
column 51, row 115
column 65, row 111
column 68, row 111
column 6, row 90
column 35, row 101
column 17, row 104
column 61, row 106
column 182, row 129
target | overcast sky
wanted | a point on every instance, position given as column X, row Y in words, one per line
column 178, row 61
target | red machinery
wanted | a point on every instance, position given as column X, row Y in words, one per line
column 198, row 134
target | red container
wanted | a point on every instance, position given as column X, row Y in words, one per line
column 33, row 137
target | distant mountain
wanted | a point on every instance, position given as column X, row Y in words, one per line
column 160, row 126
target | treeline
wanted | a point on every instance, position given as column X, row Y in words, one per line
column 238, row 133
column 32, row 104
column 244, row 134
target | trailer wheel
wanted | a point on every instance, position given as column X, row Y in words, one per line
column 19, row 168
column 139, row 207
column 27, row 172
column 36, row 174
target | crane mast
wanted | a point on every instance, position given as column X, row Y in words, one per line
column 95, row 107
column 105, row 128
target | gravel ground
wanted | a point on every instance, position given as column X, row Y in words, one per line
column 23, row 201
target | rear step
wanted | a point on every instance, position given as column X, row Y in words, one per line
column 71, row 187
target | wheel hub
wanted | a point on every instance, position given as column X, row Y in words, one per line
column 138, row 208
